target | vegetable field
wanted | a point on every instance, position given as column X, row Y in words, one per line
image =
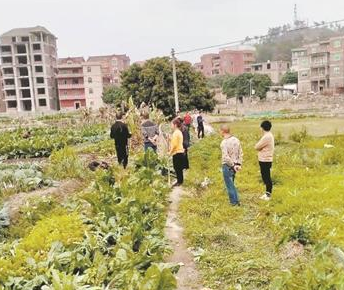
column 108, row 231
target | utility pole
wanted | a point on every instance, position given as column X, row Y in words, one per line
column 175, row 85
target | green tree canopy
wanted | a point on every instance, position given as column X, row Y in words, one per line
column 113, row 95
column 152, row 83
column 290, row 77
column 240, row 85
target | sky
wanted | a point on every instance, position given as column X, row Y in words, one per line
column 144, row 29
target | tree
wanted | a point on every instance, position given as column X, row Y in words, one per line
column 216, row 82
column 113, row 95
column 240, row 85
column 290, row 77
column 152, row 83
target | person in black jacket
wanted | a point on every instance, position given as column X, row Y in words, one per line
column 186, row 143
column 120, row 133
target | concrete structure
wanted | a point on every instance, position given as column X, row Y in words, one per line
column 320, row 66
column 28, row 64
column 112, row 67
column 93, row 80
column 274, row 69
column 233, row 61
column 71, row 83
column 2, row 99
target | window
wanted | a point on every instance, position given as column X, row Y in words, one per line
column 14, row 40
column 268, row 66
column 37, row 58
column 92, row 103
column 65, row 82
column 42, row 102
column 337, row 43
column 336, row 56
column 36, row 46
column 41, row 91
column 40, row 80
column 75, row 71
column 304, row 73
column 12, row 104
column 38, row 69
column 90, row 90
column 336, row 70
column 21, row 49
column 89, row 69
column 25, row 39
column 75, row 81
column 90, row 80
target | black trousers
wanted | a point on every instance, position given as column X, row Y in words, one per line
column 265, row 170
column 200, row 131
column 186, row 159
column 122, row 152
column 179, row 165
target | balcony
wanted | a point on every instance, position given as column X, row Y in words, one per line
column 69, row 97
column 9, row 87
column 70, row 75
column 6, row 53
column 71, row 86
column 320, row 76
column 319, row 63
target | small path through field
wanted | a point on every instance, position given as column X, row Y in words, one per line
column 188, row 276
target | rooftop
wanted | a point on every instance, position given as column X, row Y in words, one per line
column 25, row 31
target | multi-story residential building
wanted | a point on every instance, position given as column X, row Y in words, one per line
column 112, row 67
column 28, row 64
column 320, row 66
column 274, row 69
column 233, row 61
column 2, row 100
column 93, row 80
column 70, row 81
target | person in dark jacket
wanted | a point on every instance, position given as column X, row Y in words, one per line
column 150, row 132
column 186, row 143
column 200, row 126
column 120, row 133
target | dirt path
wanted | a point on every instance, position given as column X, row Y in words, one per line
column 187, row 277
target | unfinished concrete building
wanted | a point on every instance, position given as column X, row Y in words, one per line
column 28, row 64
column 274, row 69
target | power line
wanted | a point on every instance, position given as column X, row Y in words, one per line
column 247, row 39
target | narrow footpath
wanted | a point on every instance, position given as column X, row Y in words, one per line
column 188, row 277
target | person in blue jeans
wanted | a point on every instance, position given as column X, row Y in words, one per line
column 232, row 157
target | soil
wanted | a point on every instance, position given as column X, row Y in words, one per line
column 65, row 189
column 188, row 277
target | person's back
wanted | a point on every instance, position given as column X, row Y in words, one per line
column 266, row 147
column 120, row 133
column 200, row 121
column 187, row 119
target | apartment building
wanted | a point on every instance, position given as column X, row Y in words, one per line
column 2, row 99
column 274, row 69
column 320, row 66
column 233, row 61
column 70, row 82
column 93, row 80
column 29, row 66
column 112, row 66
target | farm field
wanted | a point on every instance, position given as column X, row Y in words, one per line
column 295, row 241
column 63, row 226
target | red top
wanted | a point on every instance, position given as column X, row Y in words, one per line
column 187, row 119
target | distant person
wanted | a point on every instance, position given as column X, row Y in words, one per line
column 120, row 133
column 186, row 143
column 177, row 151
column 150, row 132
column 200, row 126
column 187, row 120
column 232, row 157
column 265, row 148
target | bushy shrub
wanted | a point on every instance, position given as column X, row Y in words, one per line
column 299, row 136
column 333, row 156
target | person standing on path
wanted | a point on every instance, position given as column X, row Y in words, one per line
column 150, row 132
column 120, row 133
column 232, row 157
column 200, row 126
column 187, row 120
column 177, row 151
column 186, row 143
column 265, row 148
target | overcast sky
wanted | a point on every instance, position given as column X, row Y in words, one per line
column 147, row 28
